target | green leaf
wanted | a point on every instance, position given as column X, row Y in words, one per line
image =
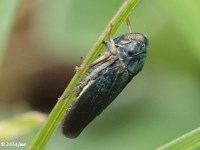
column 189, row 141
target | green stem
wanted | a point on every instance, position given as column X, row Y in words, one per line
column 189, row 141
column 60, row 110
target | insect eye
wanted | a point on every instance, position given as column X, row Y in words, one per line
column 130, row 52
column 143, row 45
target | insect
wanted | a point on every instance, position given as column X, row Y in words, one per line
column 108, row 76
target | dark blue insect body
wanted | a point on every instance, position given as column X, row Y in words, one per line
column 108, row 76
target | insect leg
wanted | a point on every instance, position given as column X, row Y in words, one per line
column 128, row 23
column 112, row 50
column 111, row 45
column 101, row 59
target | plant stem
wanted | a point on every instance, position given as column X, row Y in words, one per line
column 189, row 141
column 60, row 110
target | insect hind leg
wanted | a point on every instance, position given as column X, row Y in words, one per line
column 111, row 50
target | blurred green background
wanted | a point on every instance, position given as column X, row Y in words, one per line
column 48, row 39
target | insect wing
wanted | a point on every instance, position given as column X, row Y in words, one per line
column 96, row 97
